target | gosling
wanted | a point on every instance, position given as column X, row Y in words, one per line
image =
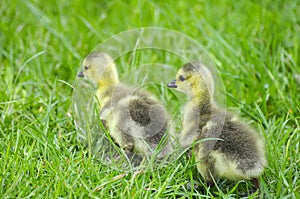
column 136, row 121
column 224, row 145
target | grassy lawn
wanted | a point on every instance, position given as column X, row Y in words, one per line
column 255, row 46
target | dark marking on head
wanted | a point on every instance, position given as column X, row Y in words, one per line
column 95, row 55
column 191, row 67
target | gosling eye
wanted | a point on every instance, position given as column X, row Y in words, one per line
column 181, row 78
column 85, row 67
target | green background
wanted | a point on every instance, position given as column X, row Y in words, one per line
column 255, row 46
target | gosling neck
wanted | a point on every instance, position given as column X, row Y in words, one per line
column 107, row 81
column 105, row 86
column 201, row 96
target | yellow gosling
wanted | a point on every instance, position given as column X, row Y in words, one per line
column 134, row 118
column 226, row 146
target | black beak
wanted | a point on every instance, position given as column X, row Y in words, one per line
column 80, row 74
column 172, row 84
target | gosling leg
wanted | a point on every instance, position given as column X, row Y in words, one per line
column 256, row 182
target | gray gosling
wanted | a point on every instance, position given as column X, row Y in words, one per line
column 226, row 146
column 134, row 118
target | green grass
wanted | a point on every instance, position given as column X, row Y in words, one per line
column 254, row 44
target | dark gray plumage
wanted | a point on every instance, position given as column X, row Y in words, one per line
column 136, row 120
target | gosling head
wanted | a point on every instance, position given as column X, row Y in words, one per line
column 100, row 69
column 194, row 79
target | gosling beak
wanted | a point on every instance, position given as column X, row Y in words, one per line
column 80, row 74
column 172, row 84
